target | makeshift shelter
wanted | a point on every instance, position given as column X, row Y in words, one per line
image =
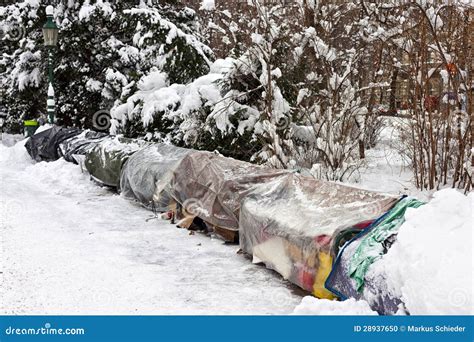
column 79, row 145
column 150, row 169
column 209, row 186
column 350, row 278
column 105, row 161
column 44, row 146
column 296, row 224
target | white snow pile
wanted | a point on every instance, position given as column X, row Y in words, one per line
column 430, row 266
column 15, row 155
column 313, row 306
column 54, row 176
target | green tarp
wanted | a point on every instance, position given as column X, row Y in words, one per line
column 105, row 161
column 372, row 245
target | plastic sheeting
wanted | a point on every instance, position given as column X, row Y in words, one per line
column 148, row 170
column 105, row 161
column 80, row 144
column 211, row 187
column 375, row 292
column 293, row 223
column 349, row 277
column 44, row 146
column 374, row 243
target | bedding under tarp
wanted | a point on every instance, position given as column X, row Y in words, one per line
column 44, row 146
column 294, row 225
column 150, row 169
column 106, row 159
column 80, row 144
column 350, row 276
column 211, row 187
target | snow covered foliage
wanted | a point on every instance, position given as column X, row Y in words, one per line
column 21, row 62
column 163, row 110
column 296, row 89
column 252, row 99
column 104, row 49
column 330, row 104
column 223, row 26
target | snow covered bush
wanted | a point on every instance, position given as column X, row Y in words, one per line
column 163, row 110
column 331, row 106
column 335, row 119
column 252, row 102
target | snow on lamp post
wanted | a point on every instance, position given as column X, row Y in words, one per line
column 50, row 35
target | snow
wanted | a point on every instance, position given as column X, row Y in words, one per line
column 431, row 263
column 313, row 306
column 385, row 169
column 445, row 76
column 49, row 10
column 50, row 90
column 208, row 5
column 177, row 102
column 71, row 247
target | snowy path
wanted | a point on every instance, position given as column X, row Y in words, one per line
column 70, row 247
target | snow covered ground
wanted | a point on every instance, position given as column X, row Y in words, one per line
column 71, row 247
column 385, row 169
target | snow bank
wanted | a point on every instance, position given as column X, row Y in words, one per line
column 53, row 176
column 313, row 306
column 431, row 264
column 8, row 140
column 59, row 177
column 15, row 155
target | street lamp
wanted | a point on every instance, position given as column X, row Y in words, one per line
column 50, row 34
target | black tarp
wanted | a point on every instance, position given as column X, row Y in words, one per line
column 80, row 144
column 44, row 146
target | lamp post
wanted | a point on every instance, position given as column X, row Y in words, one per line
column 50, row 35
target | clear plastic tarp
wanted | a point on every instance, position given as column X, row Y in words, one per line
column 293, row 224
column 148, row 170
column 211, row 187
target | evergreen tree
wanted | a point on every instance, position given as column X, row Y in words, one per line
column 104, row 49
